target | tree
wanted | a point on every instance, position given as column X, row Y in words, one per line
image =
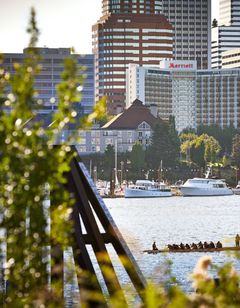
column 200, row 149
column 137, row 157
column 109, row 164
column 223, row 135
column 28, row 160
column 236, row 150
column 174, row 141
column 158, row 149
column 109, row 157
column 212, row 148
column 164, row 145
column 187, row 140
column 214, row 23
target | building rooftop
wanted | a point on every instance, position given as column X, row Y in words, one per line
column 132, row 117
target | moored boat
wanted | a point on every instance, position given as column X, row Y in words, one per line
column 205, row 187
column 147, row 189
column 236, row 190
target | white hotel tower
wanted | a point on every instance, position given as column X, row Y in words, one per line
column 227, row 35
column 195, row 97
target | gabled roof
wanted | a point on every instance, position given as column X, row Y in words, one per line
column 132, row 117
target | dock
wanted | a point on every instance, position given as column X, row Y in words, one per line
column 166, row 250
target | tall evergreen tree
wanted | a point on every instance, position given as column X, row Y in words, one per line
column 163, row 146
column 137, row 157
column 214, row 23
column 174, row 141
column 109, row 160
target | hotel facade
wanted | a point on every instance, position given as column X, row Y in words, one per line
column 195, row 97
column 128, row 32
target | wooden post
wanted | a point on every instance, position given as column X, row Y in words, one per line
column 89, row 204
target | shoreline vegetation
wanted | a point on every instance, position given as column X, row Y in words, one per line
column 28, row 160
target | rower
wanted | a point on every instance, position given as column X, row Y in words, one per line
column 211, row 245
column 206, row 245
column 194, row 246
column 154, row 246
column 237, row 239
column 182, row 246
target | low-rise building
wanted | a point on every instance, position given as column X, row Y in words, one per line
column 135, row 124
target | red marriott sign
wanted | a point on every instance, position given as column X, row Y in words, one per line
column 176, row 65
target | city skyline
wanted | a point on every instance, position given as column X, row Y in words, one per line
column 71, row 27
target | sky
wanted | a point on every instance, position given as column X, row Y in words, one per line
column 62, row 23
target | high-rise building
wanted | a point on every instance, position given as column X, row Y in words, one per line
column 229, row 12
column 52, row 62
column 231, row 58
column 191, row 20
column 133, row 6
column 226, row 35
column 194, row 97
column 128, row 32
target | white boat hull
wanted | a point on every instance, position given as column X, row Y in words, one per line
column 204, row 191
column 138, row 193
column 236, row 191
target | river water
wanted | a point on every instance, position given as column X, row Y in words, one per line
column 167, row 221
column 175, row 220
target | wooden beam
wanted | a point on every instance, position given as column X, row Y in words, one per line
column 90, row 196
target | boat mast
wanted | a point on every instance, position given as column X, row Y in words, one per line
column 160, row 170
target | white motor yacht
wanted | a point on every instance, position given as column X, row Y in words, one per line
column 205, row 187
column 147, row 189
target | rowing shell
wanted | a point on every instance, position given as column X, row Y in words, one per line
column 192, row 250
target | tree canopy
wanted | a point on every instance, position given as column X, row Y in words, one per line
column 200, row 149
column 137, row 157
column 236, row 150
column 164, row 145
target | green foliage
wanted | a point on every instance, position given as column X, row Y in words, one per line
column 29, row 160
column 214, row 23
column 164, row 145
column 223, row 135
column 137, row 157
column 109, row 158
column 200, row 149
column 236, row 150
column 30, row 165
